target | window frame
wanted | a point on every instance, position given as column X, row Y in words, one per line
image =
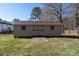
column 52, row 27
column 23, row 27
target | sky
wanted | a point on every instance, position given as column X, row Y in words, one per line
column 22, row 11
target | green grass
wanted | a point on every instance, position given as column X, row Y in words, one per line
column 24, row 47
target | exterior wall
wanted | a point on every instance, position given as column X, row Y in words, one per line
column 19, row 32
column 4, row 27
column 10, row 26
column 55, row 32
column 29, row 31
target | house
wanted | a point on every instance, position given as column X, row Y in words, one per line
column 37, row 28
column 5, row 26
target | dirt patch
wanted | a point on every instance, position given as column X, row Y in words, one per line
column 39, row 39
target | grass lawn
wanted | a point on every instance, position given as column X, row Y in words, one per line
column 24, row 46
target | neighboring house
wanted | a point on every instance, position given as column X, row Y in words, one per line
column 37, row 28
column 5, row 26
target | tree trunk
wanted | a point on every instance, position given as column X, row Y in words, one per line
column 76, row 16
column 60, row 17
column 62, row 27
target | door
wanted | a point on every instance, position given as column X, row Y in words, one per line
column 38, row 30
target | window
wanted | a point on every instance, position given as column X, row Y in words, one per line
column 52, row 27
column 23, row 27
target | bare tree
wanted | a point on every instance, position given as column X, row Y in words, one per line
column 69, row 23
column 14, row 20
column 75, row 7
column 57, row 10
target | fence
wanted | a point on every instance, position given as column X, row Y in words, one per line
column 71, row 32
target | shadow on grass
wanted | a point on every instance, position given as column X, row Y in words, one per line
column 64, row 36
column 61, row 36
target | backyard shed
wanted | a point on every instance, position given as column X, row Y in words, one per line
column 37, row 28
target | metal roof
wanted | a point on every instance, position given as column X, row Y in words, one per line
column 5, row 22
column 37, row 23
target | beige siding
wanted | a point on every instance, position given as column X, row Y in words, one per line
column 30, row 31
column 19, row 32
column 55, row 32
